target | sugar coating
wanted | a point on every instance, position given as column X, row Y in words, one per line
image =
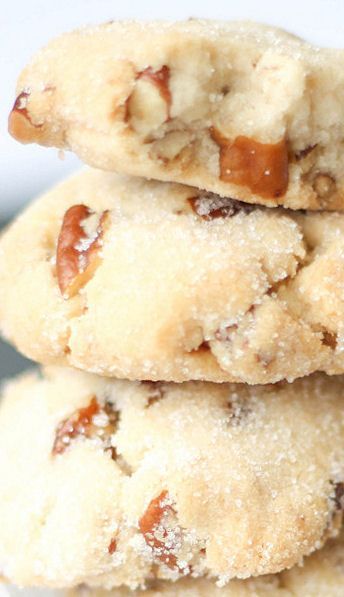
column 254, row 296
column 204, row 480
column 85, row 92
column 322, row 575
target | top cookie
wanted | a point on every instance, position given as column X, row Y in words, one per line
column 240, row 109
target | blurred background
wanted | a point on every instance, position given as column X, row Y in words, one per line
column 26, row 25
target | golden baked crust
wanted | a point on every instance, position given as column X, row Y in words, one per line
column 240, row 109
column 322, row 575
column 174, row 284
column 115, row 482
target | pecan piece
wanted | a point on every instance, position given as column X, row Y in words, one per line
column 77, row 254
column 203, row 347
column 83, row 422
column 20, row 104
column 262, row 167
column 156, row 391
column 329, row 339
column 20, row 125
column 112, row 546
column 77, row 424
column 160, row 78
column 210, row 206
column 151, row 523
column 148, row 105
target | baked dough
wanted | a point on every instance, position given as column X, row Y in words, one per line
column 116, row 483
column 240, row 109
column 164, row 282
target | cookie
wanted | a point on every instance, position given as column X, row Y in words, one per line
column 240, row 109
column 146, row 280
column 321, row 576
column 116, row 482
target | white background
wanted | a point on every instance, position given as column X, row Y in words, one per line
column 25, row 25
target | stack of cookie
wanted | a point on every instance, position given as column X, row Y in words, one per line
column 112, row 474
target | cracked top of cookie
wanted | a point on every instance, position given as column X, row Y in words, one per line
column 241, row 109
column 110, row 482
column 139, row 279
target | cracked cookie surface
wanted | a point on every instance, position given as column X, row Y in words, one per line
column 240, row 109
column 110, row 482
column 147, row 280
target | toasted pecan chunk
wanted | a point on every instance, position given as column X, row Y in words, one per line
column 148, row 105
column 151, row 525
column 160, row 78
column 78, row 423
column 77, row 255
column 262, row 167
column 83, row 422
column 329, row 339
column 20, row 124
column 155, row 390
column 112, row 546
column 210, row 206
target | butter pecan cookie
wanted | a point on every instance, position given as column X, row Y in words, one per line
column 240, row 109
column 110, row 482
column 147, row 280
column 322, row 575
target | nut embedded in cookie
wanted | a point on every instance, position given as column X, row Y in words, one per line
column 157, row 281
column 148, row 105
column 320, row 575
column 78, row 247
column 221, row 480
column 21, row 123
column 151, row 525
column 215, row 105
column 263, row 168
